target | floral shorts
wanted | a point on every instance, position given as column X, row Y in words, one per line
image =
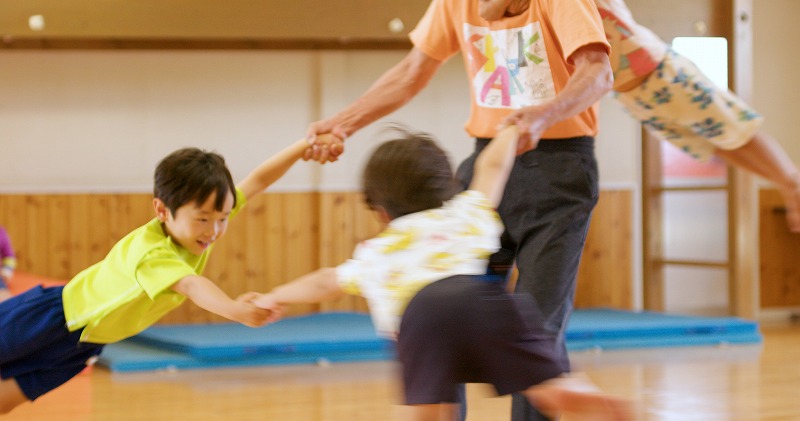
column 679, row 104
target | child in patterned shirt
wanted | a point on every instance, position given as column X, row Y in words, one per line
column 421, row 278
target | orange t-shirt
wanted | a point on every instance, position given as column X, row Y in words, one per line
column 514, row 62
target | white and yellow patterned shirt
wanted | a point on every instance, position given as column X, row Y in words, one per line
column 418, row 249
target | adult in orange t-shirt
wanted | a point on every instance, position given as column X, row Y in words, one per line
column 541, row 65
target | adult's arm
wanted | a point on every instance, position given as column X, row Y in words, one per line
column 391, row 91
column 591, row 80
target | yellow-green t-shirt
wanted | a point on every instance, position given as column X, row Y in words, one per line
column 129, row 289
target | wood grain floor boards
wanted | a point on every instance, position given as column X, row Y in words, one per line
column 735, row 383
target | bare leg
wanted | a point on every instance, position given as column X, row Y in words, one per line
column 574, row 395
column 10, row 396
column 764, row 156
column 434, row 412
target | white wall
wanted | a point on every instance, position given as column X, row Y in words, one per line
column 74, row 121
column 100, row 120
column 775, row 91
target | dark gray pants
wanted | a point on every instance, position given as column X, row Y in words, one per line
column 546, row 209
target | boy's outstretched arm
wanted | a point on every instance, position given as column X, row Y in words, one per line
column 314, row 287
column 493, row 165
column 209, row 296
column 276, row 166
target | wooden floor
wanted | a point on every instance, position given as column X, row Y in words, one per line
column 747, row 383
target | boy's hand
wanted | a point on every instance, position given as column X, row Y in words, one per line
column 252, row 316
column 268, row 302
column 276, row 312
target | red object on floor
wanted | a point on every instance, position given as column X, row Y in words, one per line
column 22, row 282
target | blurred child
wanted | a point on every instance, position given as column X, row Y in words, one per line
column 679, row 104
column 420, row 278
column 8, row 262
column 49, row 335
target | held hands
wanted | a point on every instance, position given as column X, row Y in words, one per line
column 251, row 315
column 326, row 142
column 532, row 122
column 269, row 302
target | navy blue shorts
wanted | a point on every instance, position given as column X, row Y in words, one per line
column 465, row 330
column 36, row 348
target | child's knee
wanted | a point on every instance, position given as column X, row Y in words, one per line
column 11, row 396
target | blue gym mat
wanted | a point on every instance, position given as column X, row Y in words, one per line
column 317, row 333
column 340, row 337
column 329, row 337
column 616, row 329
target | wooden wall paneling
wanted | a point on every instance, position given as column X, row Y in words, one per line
column 102, row 232
column 275, row 254
column 605, row 277
column 271, row 211
column 780, row 267
column 336, row 221
column 300, row 243
column 37, row 241
column 278, row 237
column 58, row 233
column 255, row 250
column 79, row 230
column 344, row 222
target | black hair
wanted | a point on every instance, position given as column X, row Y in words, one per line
column 408, row 174
column 192, row 175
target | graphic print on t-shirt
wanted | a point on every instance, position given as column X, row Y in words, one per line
column 509, row 67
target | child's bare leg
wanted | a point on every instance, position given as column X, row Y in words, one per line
column 10, row 396
column 576, row 395
column 434, row 412
column 764, row 156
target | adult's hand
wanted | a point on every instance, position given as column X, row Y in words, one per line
column 324, row 148
column 531, row 122
column 392, row 90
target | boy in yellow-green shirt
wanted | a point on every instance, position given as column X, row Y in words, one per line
column 49, row 335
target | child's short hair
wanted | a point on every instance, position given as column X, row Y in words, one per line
column 192, row 175
column 408, row 174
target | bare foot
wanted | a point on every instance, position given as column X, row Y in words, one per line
column 576, row 396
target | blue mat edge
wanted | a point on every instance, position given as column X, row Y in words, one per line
column 168, row 360
column 710, row 332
